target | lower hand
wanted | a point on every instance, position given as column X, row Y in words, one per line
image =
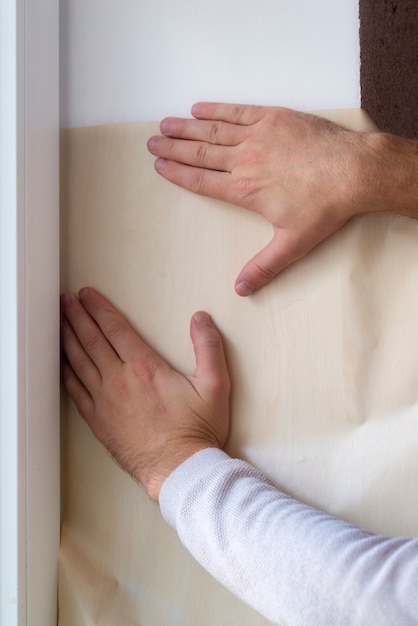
column 304, row 174
column 149, row 416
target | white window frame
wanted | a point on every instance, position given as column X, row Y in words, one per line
column 29, row 320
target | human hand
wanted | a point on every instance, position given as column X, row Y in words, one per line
column 149, row 416
column 304, row 174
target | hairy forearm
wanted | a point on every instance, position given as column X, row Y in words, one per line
column 389, row 180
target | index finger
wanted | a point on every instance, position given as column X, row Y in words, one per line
column 119, row 333
column 210, row 183
column 242, row 114
column 85, row 345
column 212, row 131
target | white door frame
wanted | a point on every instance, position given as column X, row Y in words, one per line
column 29, row 283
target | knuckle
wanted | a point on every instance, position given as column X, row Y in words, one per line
column 214, row 134
column 246, row 188
column 294, row 247
column 92, row 340
column 257, row 153
column 198, row 181
column 220, row 385
column 238, row 113
column 247, row 115
column 118, row 386
column 201, row 154
column 114, row 327
column 213, row 342
column 82, row 369
column 264, row 273
column 145, row 368
column 278, row 116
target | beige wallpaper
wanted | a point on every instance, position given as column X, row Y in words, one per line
column 324, row 368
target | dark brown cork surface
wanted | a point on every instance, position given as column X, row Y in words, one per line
column 389, row 64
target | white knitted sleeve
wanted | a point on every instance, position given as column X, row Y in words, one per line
column 292, row 563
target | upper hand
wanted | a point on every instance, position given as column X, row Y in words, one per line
column 149, row 416
column 301, row 172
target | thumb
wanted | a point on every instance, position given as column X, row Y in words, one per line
column 283, row 249
column 211, row 370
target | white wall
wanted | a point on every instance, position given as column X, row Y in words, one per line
column 127, row 60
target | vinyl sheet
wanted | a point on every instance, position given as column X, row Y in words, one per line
column 324, row 366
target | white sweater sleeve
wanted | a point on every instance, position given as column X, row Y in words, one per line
column 292, row 563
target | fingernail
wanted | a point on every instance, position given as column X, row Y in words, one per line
column 160, row 164
column 244, row 288
column 66, row 298
column 166, row 126
column 152, row 142
column 201, row 317
column 196, row 109
column 84, row 294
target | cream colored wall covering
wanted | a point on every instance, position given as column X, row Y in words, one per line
column 324, row 366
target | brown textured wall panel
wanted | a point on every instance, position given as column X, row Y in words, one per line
column 389, row 64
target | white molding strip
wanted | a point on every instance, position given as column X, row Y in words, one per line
column 11, row 483
column 29, row 271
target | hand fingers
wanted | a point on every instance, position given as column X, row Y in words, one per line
column 119, row 334
column 195, row 153
column 214, row 132
column 202, row 181
column 81, row 364
column 91, row 339
column 282, row 250
column 243, row 114
column 77, row 391
column 211, row 369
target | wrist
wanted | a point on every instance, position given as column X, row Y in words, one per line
column 154, row 475
column 389, row 176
